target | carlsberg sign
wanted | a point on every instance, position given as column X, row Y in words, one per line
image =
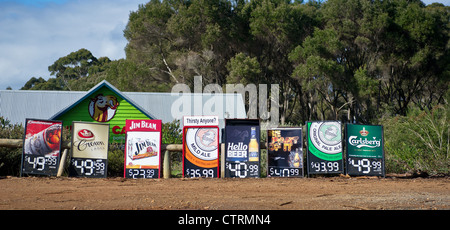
column 360, row 142
column 364, row 140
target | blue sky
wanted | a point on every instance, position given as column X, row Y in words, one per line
column 35, row 33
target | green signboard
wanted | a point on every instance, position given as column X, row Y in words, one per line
column 364, row 150
column 324, row 147
column 103, row 104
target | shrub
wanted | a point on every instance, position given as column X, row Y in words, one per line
column 419, row 141
column 10, row 159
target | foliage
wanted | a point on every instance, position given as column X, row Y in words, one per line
column 419, row 141
column 351, row 60
column 10, row 159
column 171, row 133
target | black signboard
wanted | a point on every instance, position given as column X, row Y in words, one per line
column 324, row 147
column 364, row 150
column 41, row 147
column 285, row 152
column 89, row 149
column 242, row 151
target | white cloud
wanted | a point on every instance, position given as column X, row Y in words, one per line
column 32, row 37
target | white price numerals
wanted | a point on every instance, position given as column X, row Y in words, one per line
column 40, row 162
column 87, row 167
column 199, row 173
column 143, row 173
column 286, row 172
column 241, row 169
column 325, row 166
column 364, row 165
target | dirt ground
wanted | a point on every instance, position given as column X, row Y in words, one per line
column 330, row 193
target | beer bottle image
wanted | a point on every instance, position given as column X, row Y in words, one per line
column 297, row 159
column 253, row 147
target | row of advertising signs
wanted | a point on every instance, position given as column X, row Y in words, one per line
column 142, row 154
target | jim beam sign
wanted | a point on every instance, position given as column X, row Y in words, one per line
column 201, row 146
column 89, row 149
column 143, row 149
column 324, row 147
column 364, row 150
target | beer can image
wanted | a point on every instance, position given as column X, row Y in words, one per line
column 43, row 142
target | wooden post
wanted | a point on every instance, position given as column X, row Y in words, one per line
column 166, row 165
column 222, row 160
column 62, row 162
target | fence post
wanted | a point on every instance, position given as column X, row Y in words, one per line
column 62, row 162
column 166, row 165
column 222, row 160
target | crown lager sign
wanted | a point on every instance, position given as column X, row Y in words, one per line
column 324, row 147
column 364, row 152
column 89, row 149
column 201, row 146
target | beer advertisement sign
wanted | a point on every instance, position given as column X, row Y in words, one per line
column 41, row 147
column 89, row 149
column 324, row 147
column 143, row 149
column 201, row 146
column 285, row 152
column 364, row 150
column 242, row 151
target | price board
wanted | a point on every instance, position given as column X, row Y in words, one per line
column 142, row 149
column 89, row 150
column 364, row 150
column 41, row 147
column 324, row 147
column 285, row 152
column 242, row 150
column 201, row 146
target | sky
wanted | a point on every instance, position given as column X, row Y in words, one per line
column 35, row 33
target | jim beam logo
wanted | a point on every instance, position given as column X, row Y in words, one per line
column 366, row 142
column 326, row 136
column 86, row 140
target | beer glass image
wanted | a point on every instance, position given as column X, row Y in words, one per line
column 43, row 142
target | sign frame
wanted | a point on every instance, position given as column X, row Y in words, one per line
column 199, row 122
column 364, row 149
column 282, row 170
column 140, row 126
column 324, row 165
column 100, row 162
column 28, row 145
column 239, row 148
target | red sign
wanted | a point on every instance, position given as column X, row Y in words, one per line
column 142, row 149
column 42, row 145
column 201, row 146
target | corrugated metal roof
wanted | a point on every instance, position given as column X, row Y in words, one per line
column 17, row 105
